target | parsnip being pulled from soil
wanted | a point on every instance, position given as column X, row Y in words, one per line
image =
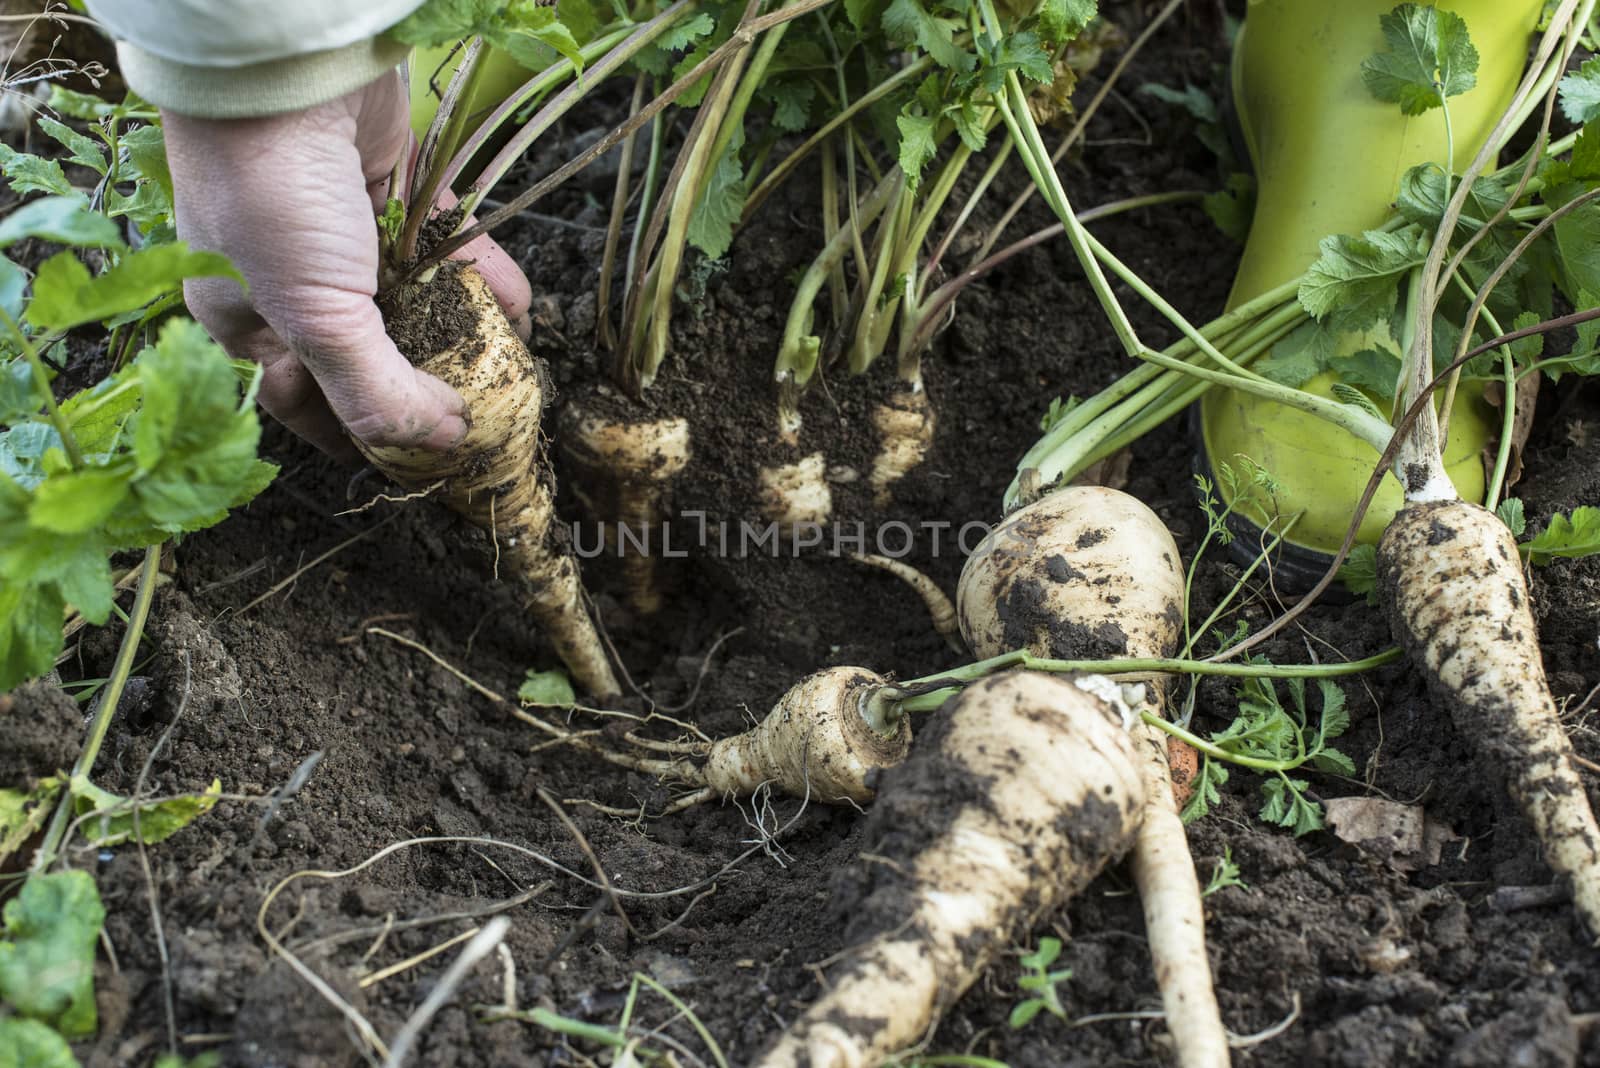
column 1088, row 572
column 498, row 477
column 625, row 472
column 1026, row 787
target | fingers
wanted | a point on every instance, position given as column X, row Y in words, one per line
column 376, row 393
column 506, row 280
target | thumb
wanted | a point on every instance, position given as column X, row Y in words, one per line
column 374, row 391
column 506, row 280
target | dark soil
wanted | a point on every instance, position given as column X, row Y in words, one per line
column 261, row 666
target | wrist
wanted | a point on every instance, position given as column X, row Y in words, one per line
column 274, row 87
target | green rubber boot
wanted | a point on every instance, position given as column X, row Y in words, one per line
column 1328, row 159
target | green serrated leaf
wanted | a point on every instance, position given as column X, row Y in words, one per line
column 1354, row 282
column 717, row 210
column 1233, row 206
column 908, row 23
column 917, row 145
column 66, row 220
column 66, row 295
column 23, row 813
column 47, row 960
column 79, row 501
column 82, row 150
column 547, row 688
column 81, row 105
column 1513, row 515
column 1567, row 536
column 1191, row 98
column 1335, row 716
column 33, row 174
column 1062, row 20
column 111, row 819
column 1375, row 370
column 1429, row 58
column 1300, row 357
column 1580, row 92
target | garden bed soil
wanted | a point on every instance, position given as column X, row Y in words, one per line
column 263, row 658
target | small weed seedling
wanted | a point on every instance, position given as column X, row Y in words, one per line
column 1041, row 983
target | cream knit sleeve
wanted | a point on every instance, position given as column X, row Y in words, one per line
column 224, row 59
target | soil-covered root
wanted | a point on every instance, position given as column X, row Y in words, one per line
column 499, row 477
column 624, row 474
column 905, row 425
column 1089, row 572
column 795, row 494
column 826, row 739
column 1458, row 603
column 1022, row 792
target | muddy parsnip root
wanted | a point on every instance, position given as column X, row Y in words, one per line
column 1458, row 603
column 1088, row 572
column 624, row 473
column 1023, row 790
column 794, row 494
column 905, row 425
column 499, row 478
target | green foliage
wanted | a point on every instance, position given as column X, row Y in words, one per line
column 547, row 688
column 1566, row 537
column 47, row 956
column 517, row 27
column 1224, row 873
column 1359, row 572
column 26, row 1043
column 23, row 814
column 1058, row 411
column 1354, row 283
column 113, row 821
column 1580, row 92
column 1513, row 515
column 1275, row 739
column 1429, row 57
column 1040, row 983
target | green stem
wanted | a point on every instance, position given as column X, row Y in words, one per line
column 949, row 682
column 41, row 386
column 1216, row 752
column 110, row 697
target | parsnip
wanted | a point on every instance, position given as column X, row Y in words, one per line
column 499, row 477
column 797, row 493
column 1022, row 792
column 1088, row 572
column 625, row 470
column 1452, row 582
column 905, row 425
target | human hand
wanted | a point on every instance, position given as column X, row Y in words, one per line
column 291, row 199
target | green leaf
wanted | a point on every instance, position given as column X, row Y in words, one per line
column 1333, row 762
column 717, row 211
column 440, row 22
column 111, row 818
column 33, row 174
column 1578, row 241
column 1233, row 206
column 791, row 103
column 908, row 23
column 1375, row 370
column 1513, row 515
column 1043, row 956
column 917, row 145
column 527, row 29
column 1285, row 805
column 1354, row 282
column 658, row 57
column 82, row 150
column 47, row 964
column 1213, row 774
column 30, row 1044
column 65, row 220
column 30, row 631
column 1062, row 20
column 81, row 105
column 24, row 814
column 1424, row 194
column 1580, row 92
column 1196, row 101
column 66, row 295
column 79, row 501
column 1300, row 357
column 13, row 288
column 547, row 688
column 1429, row 58
column 1567, row 536
column 1024, row 1012
column 1335, row 716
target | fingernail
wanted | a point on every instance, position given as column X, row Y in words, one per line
column 523, row 325
column 451, row 431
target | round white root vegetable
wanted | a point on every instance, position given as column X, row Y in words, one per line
column 625, row 470
column 1457, row 601
column 1025, row 788
column 499, row 476
column 826, row 739
column 792, row 495
column 1084, row 573
column 905, row 425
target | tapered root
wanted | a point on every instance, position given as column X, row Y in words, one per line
column 625, row 470
column 1089, row 572
column 1027, row 787
column 498, row 477
column 1458, row 604
column 905, row 425
column 826, row 739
